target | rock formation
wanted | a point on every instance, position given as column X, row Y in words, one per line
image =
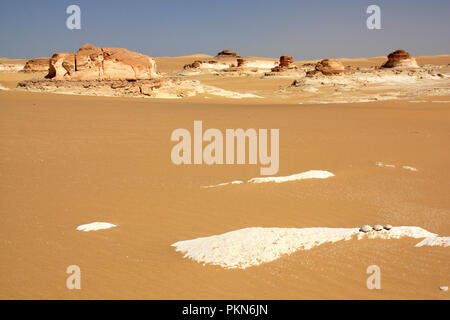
column 36, row 65
column 330, row 67
column 11, row 65
column 227, row 53
column 193, row 65
column 241, row 63
column 61, row 64
column 400, row 59
column 286, row 63
column 96, row 63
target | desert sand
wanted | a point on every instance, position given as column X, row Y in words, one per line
column 69, row 160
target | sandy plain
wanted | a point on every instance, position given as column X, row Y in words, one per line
column 67, row 160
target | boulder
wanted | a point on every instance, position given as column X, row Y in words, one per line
column 365, row 228
column 286, row 63
column 400, row 59
column 97, row 63
column 227, row 53
column 36, row 65
column 378, row 227
column 193, row 65
column 330, row 67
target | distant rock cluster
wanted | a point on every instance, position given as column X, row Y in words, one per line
column 121, row 72
column 378, row 227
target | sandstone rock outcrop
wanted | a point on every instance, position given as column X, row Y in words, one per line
column 36, row 65
column 163, row 88
column 193, row 65
column 227, row 53
column 241, row 63
column 400, row 59
column 61, row 64
column 286, row 63
column 97, row 63
column 330, row 67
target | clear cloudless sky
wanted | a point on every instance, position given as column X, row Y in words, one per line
column 267, row 28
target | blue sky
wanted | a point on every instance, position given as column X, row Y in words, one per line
column 304, row 29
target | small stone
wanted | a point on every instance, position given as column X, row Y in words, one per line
column 365, row 228
column 388, row 227
column 443, row 288
column 378, row 227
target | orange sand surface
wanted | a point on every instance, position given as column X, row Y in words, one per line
column 68, row 160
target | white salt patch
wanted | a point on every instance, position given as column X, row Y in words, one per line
column 3, row 88
column 435, row 241
column 440, row 101
column 228, row 94
column 253, row 246
column 11, row 67
column 223, row 184
column 380, row 164
column 409, row 168
column 311, row 174
column 310, row 89
column 261, row 64
column 215, row 66
column 94, row 226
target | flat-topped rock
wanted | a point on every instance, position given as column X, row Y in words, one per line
column 97, row 63
column 36, row 65
column 227, row 53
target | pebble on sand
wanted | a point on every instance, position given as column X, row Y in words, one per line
column 365, row 228
column 378, row 227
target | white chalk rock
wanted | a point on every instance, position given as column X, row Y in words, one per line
column 378, row 227
column 365, row 228
column 388, row 227
column 444, row 288
column 94, row 226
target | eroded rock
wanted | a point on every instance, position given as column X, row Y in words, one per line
column 227, row 53
column 97, row 63
column 36, row 65
column 400, row 59
column 330, row 67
